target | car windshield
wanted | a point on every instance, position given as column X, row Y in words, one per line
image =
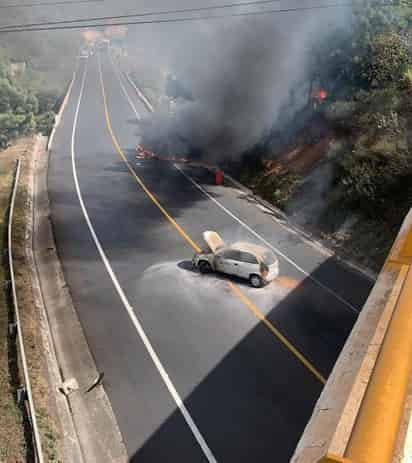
column 268, row 258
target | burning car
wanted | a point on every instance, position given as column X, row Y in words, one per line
column 249, row 261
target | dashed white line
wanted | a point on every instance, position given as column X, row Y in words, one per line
column 136, row 323
column 115, row 70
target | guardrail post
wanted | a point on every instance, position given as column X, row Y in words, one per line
column 21, row 394
column 12, row 330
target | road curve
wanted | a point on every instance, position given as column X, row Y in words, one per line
column 163, row 333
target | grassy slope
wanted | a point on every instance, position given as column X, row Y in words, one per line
column 366, row 242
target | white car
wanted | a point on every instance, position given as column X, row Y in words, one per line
column 250, row 261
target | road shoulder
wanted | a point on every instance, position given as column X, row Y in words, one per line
column 91, row 431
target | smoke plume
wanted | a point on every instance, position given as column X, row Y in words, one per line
column 243, row 74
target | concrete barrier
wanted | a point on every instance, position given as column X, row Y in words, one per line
column 330, row 429
column 58, row 116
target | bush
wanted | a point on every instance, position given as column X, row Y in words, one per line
column 371, row 177
column 341, row 113
column 31, row 104
column 23, row 107
column 10, row 97
column 408, row 79
column 387, row 60
column 47, row 100
column 277, row 189
column 11, row 126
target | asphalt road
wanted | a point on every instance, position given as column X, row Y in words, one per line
column 197, row 368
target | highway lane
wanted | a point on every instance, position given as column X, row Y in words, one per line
column 248, row 395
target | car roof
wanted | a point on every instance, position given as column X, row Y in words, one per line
column 254, row 249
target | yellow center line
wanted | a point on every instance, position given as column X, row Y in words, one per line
column 252, row 306
column 235, row 289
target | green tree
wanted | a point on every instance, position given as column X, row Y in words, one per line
column 31, row 104
column 47, row 100
column 387, row 60
column 11, row 126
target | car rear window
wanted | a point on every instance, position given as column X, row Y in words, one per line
column 268, row 258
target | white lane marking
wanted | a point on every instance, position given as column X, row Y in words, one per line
column 115, row 70
column 140, row 93
column 269, row 245
column 165, row 377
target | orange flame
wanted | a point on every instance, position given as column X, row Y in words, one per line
column 323, row 94
column 320, row 94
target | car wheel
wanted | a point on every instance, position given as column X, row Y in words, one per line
column 255, row 281
column 204, row 267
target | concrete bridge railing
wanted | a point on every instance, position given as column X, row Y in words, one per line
column 362, row 415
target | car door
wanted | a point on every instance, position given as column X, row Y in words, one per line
column 248, row 265
column 228, row 261
column 219, row 262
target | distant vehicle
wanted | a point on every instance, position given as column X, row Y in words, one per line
column 250, row 261
column 103, row 45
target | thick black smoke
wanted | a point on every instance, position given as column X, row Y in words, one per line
column 242, row 74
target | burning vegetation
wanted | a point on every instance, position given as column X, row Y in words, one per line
column 322, row 131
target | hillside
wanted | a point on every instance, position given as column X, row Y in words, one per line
column 347, row 174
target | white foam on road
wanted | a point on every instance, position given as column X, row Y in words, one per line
column 177, row 277
column 347, row 304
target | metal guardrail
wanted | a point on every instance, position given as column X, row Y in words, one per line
column 27, row 385
column 375, row 432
